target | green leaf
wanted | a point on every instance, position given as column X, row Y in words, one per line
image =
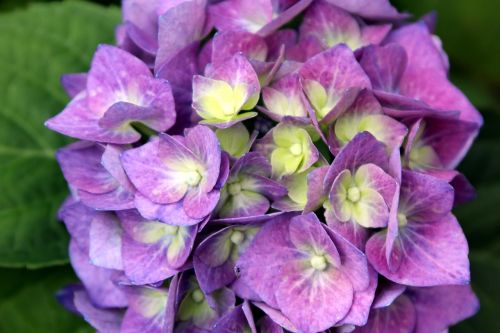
column 28, row 303
column 37, row 45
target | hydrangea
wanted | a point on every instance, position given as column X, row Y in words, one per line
column 267, row 166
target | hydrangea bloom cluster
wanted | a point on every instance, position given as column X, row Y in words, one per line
column 267, row 166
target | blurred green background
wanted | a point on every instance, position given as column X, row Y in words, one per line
column 39, row 42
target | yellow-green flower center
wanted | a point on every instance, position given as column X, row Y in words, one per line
column 353, row 194
column 318, row 262
column 193, row 178
column 296, row 149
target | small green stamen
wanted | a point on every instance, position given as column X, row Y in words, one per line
column 234, row 188
column 198, row 296
column 318, row 262
column 237, row 237
column 193, row 178
column 402, row 220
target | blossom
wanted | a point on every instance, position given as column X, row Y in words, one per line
column 120, row 90
column 267, row 166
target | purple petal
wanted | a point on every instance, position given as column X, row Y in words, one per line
column 77, row 218
column 440, row 307
column 204, row 144
column 113, row 72
column 179, row 26
column 78, row 121
column 73, row 84
column 169, row 213
column 81, row 165
column 151, row 175
column 105, row 241
column 384, row 65
column 99, row 282
column 147, row 310
column 197, row 204
column 103, row 320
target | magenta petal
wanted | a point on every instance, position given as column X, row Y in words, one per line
column 440, row 307
column 438, row 92
column 371, row 9
column 351, row 231
column 420, row 47
column 272, row 238
column 237, row 70
column 331, row 25
column 307, row 231
column 336, row 69
column 307, row 301
column 226, row 44
column 361, row 307
column 425, row 198
column 241, row 15
column 354, row 263
column 397, row 318
column 284, row 17
column 363, row 149
column 434, row 253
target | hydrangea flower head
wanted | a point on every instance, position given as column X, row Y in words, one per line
column 267, row 166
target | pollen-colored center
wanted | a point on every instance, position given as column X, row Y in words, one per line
column 198, row 296
column 296, row 149
column 234, row 188
column 353, row 194
column 193, row 178
column 237, row 237
column 402, row 220
column 318, row 262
